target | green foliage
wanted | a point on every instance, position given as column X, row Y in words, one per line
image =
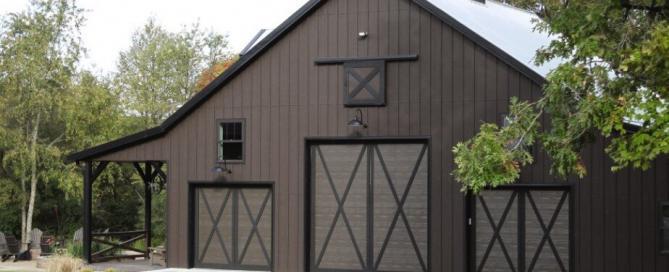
column 42, row 89
column 615, row 71
column 75, row 250
column 160, row 70
column 495, row 155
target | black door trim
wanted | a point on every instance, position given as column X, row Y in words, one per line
column 309, row 199
column 192, row 189
column 471, row 215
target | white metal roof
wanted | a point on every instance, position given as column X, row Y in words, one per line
column 509, row 28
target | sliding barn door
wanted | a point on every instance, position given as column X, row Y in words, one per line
column 369, row 209
column 521, row 229
column 233, row 228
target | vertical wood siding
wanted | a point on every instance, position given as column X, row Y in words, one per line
column 453, row 87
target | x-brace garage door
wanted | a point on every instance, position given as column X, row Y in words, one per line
column 233, row 227
column 521, row 229
column 369, row 209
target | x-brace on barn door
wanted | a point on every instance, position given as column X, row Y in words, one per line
column 232, row 226
column 522, row 228
column 369, row 209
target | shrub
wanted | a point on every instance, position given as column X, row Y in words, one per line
column 64, row 264
column 75, row 250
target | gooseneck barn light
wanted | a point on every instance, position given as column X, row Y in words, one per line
column 357, row 121
column 221, row 169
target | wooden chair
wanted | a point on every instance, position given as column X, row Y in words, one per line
column 158, row 256
column 12, row 244
column 4, row 250
column 35, row 239
column 46, row 244
column 78, row 236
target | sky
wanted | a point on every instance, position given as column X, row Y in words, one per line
column 111, row 23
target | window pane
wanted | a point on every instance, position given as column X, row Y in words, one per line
column 231, row 131
column 232, row 151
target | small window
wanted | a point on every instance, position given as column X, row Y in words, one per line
column 231, row 141
column 664, row 227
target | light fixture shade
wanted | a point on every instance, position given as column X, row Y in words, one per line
column 357, row 122
column 218, row 169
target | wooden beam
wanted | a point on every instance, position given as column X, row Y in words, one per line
column 118, row 233
column 98, row 170
column 109, row 258
column 124, row 245
column 88, row 195
column 147, row 207
column 339, row 60
column 140, row 171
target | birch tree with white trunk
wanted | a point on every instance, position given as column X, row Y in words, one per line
column 39, row 50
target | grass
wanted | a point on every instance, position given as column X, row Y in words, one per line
column 64, row 264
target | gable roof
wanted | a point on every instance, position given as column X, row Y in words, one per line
column 265, row 44
column 507, row 27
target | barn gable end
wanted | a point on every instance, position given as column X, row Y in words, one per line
column 458, row 81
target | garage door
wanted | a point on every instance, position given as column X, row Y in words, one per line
column 521, row 229
column 369, row 209
column 233, row 227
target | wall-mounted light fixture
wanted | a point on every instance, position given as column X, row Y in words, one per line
column 362, row 35
column 357, row 120
column 221, row 169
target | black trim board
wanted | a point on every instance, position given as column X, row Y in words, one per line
column 339, row 60
column 262, row 46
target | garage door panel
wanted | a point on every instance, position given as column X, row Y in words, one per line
column 341, row 252
column 253, row 227
column 340, row 226
column 233, row 227
column 337, row 163
column 399, row 161
column 399, row 255
column 214, row 235
column 547, row 231
column 522, row 230
column 497, row 237
column 383, row 203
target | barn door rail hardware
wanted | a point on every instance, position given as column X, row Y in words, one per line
column 364, row 78
column 342, row 60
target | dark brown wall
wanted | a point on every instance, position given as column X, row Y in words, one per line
column 446, row 94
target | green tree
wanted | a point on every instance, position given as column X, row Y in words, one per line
column 615, row 72
column 39, row 50
column 159, row 72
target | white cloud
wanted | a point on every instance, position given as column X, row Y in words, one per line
column 110, row 23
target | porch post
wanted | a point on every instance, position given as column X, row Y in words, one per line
column 147, row 207
column 88, row 194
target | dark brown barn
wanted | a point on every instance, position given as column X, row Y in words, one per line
column 327, row 147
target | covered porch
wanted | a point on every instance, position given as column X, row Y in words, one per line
column 100, row 245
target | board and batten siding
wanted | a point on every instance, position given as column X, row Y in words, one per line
column 446, row 94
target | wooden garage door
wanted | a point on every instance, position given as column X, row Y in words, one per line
column 233, row 227
column 369, row 207
column 521, row 229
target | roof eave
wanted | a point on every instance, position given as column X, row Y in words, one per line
column 199, row 98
